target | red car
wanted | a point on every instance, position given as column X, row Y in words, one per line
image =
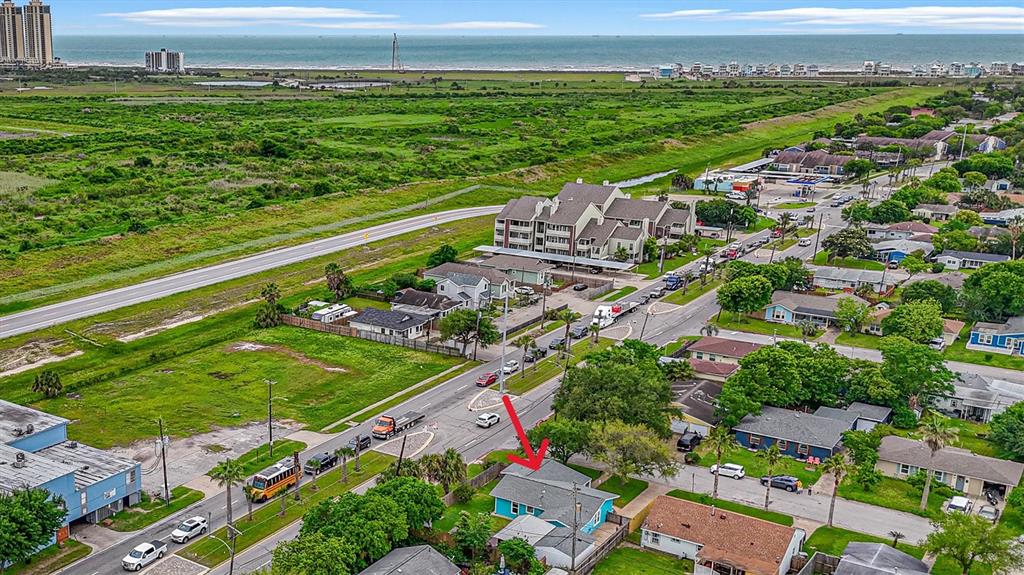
column 486, row 380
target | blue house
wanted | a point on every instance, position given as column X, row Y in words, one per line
column 799, row 435
column 35, row 453
column 898, row 250
column 1006, row 338
column 790, row 308
column 547, row 493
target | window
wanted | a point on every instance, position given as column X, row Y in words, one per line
column 803, row 449
column 515, row 508
column 985, row 338
column 907, row 469
column 939, row 476
column 755, row 440
column 699, row 355
column 778, row 313
column 783, row 444
column 131, row 476
column 654, row 537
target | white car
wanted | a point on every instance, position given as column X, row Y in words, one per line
column 736, row 196
column 729, row 470
column 937, row 343
column 988, row 512
column 188, row 529
column 959, row 504
column 524, row 290
column 511, row 366
column 487, row 420
column 804, row 242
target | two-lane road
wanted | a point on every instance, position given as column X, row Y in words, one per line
column 33, row 319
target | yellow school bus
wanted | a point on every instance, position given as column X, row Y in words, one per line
column 273, row 480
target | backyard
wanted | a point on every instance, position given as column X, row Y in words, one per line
column 481, row 502
column 630, row 561
column 821, row 259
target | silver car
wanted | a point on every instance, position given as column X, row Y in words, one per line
column 988, row 512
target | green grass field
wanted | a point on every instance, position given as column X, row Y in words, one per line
column 755, row 325
column 793, row 205
column 833, row 540
column 151, row 510
column 780, row 518
column 865, row 340
column 259, row 458
column 481, row 502
column 619, row 293
column 51, row 559
column 626, row 490
column 894, row 494
column 959, row 352
column 755, row 466
column 630, row 561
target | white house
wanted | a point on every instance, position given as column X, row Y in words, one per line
column 472, row 285
column 954, row 260
column 851, row 279
column 552, row 544
column 393, row 323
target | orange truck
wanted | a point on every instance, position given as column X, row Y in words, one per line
column 388, row 426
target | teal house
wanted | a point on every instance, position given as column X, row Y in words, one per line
column 547, row 493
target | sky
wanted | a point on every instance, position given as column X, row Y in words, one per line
column 534, row 17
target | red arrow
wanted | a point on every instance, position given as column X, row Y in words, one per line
column 533, row 460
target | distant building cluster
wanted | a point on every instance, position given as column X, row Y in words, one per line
column 701, row 71
column 26, row 34
column 165, row 61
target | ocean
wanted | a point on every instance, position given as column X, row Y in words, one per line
column 585, row 53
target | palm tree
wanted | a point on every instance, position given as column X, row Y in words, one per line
column 595, row 331
column 358, row 467
column 838, row 467
column 709, row 329
column 453, row 469
column 524, row 342
column 568, row 316
column 772, row 458
column 707, row 253
column 896, row 536
column 270, row 293
column 344, row 453
column 784, row 220
column 227, row 474
column 1016, row 227
column 314, row 465
column 720, row 442
column 807, row 329
column 936, row 433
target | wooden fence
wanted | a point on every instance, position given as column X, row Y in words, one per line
column 602, row 551
column 818, row 563
column 479, row 480
column 348, row 331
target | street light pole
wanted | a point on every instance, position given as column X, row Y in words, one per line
column 644, row 326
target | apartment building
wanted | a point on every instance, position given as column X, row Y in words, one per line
column 12, row 32
column 165, row 61
column 587, row 220
column 26, row 33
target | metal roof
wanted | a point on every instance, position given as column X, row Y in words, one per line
column 37, row 471
column 758, row 163
column 91, row 465
column 15, row 419
column 558, row 258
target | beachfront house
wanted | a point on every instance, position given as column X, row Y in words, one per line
column 472, row 285
column 547, row 493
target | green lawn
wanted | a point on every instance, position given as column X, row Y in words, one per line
column 51, row 559
column 821, row 259
column 626, row 490
column 676, row 345
column 535, row 374
column 588, row 471
column 481, row 502
column 762, row 223
column 151, row 510
column 833, row 540
column 619, row 293
column 793, row 205
column 755, row 467
column 319, row 377
column 972, row 436
column 755, row 325
column 630, row 561
column 259, row 458
column 781, row 245
column 359, row 303
column 650, row 269
column 780, row 518
column 865, row 340
column 959, row 352
column 266, row 520
column 894, row 494
column 693, row 291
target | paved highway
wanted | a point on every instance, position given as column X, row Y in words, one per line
column 38, row 318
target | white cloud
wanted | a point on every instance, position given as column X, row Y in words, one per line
column 232, row 16
column 470, row 25
column 682, row 14
column 824, row 19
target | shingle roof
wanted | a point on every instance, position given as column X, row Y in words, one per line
column 630, row 209
column 674, row 216
column 938, row 208
column 418, row 560
column 811, row 304
column 561, row 538
column 973, row 256
column 597, row 232
column 464, row 274
column 878, row 559
column 426, row 299
column 950, row 460
column 938, row 135
column 812, row 159
column 755, row 545
column 713, row 367
column 860, row 276
column 1012, row 325
column 868, row 411
column 91, row 465
column 19, row 417
column 917, row 143
column 524, row 208
column 627, row 233
column 723, row 346
column 698, row 400
column 917, row 227
column 587, row 193
column 836, row 413
column 550, row 489
column 503, row 262
column 389, row 319
column 795, row 426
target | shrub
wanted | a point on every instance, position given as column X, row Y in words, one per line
column 692, row 458
column 938, row 267
column 917, row 479
column 1016, row 498
column 904, row 418
column 463, row 492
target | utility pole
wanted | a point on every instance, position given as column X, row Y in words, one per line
column 575, row 527
column 298, row 476
column 544, row 301
column 476, row 337
column 401, row 456
column 163, row 460
column 504, row 341
column 963, row 140
column 817, row 237
column 644, row 326
column 270, row 417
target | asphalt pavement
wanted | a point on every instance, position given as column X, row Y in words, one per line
column 54, row 314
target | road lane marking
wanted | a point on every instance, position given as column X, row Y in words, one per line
column 463, row 387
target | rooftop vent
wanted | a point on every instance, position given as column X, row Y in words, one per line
column 72, row 445
column 29, row 429
column 605, row 183
column 19, row 457
column 579, row 180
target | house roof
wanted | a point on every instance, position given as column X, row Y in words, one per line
column 987, row 392
column 586, row 193
column 529, row 528
column 465, row 274
column 978, row 256
column 985, row 232
column 713, row 367
column 941, row 135
column 893, row 277
column 550, row 489
column 627, row 233
column 523, row 209
column 15, row 419
column 950, row 460
column 389, row 319
column 1012, row 325
column 916, row 227
column 561, row 538
column 723, row 346
column 795, row 426
column 630, row 209
column 674, row 216
column 937, row 208
column 755, row 545
column 904, row 246
column 698, row 400
column 504, row 262
column 37, row 471
column 599, row 232
column 918, row 143
column 812, row 159
column 418, row 560
column 425, row 299
column 837, row 413
column 878, row 559
column 91, row 465
column 871, row 412
column 811, row 304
